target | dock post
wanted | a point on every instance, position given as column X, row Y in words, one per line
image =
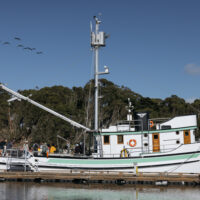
column 135, row 167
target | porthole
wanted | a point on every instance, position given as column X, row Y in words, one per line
column 145, row 135
column 177, row 132
column 145, row 144
column 177, row 142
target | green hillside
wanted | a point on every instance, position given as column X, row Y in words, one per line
column 21, row 120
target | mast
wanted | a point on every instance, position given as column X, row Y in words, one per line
column 96, row 78
column 97, row 41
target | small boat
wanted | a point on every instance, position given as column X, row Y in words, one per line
column 138, row 144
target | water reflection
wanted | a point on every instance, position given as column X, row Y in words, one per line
column 44, row 191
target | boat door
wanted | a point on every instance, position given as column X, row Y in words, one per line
column 156, row 142
column 186, row 135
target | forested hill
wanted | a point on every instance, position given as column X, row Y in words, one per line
column 22, row 120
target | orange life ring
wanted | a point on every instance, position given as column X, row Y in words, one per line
column 151, row 124
column 132, row 143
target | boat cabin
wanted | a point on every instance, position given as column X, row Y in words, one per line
column 143, row 136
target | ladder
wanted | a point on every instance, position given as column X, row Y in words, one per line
column 14, row 161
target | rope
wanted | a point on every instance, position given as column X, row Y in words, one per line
column 89, row 95
column 88, row 102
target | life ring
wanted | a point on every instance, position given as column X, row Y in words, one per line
column 151, row 124
column 132, row 143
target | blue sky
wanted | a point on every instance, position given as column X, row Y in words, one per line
column 154, row 45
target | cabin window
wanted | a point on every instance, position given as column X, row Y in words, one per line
column 106, row 139
column 177, row 132
column 186, row 133
column 120, row 139
column 145, row 135
column 155, row 136
column 145, row 144
column 177, row 142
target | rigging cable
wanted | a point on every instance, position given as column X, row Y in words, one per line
column 89, row 97
column 88, row 102
column 90, row 88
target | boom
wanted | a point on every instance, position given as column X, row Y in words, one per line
column 19, row 96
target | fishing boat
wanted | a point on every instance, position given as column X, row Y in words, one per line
column 138, row 144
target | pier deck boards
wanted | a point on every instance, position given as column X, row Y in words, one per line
column 103, row 177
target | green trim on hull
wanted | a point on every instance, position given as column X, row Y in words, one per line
column 150, row 132
column 121, row 161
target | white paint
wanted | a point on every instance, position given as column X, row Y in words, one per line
column 168, row 140
column 182, row 121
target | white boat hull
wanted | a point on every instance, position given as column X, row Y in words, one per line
column 185, row 159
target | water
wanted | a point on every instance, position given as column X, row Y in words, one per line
column 57, row 191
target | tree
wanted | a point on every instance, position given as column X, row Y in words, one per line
column 24, row 120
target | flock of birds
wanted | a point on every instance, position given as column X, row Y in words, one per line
column 22, row 46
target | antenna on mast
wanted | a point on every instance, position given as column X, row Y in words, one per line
column 129, row 108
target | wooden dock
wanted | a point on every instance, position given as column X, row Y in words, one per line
column 87, row 177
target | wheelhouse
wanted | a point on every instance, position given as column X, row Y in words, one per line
column 161, row 135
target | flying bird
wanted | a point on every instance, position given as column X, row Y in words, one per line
column 39, row 52
column 20, row 45
column 17, row 38
column 27, row 48
column 6, row 43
